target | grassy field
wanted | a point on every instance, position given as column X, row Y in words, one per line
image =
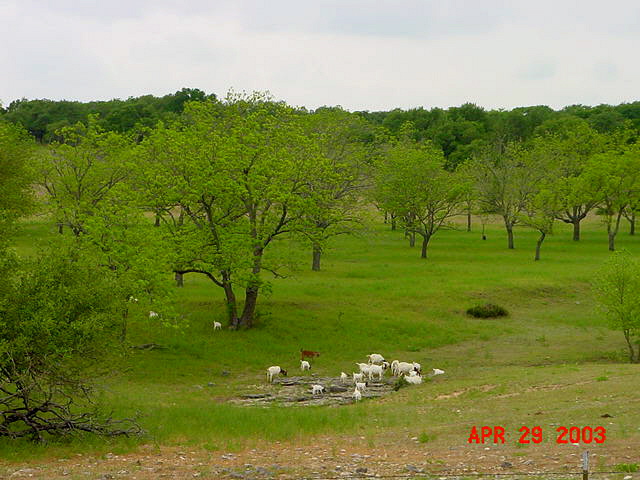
column 552, row 362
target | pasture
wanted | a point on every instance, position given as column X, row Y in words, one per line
column 552, row 362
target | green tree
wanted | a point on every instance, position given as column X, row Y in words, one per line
column 506, row 180
column 617, row 287
column 540, row 213
column 339, row 192
column 616, row 177
column 413, row 182
column 566, row 156
column 242, row 172
column 16, row 152
column 81, row 172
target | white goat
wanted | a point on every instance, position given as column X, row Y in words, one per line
column 394, row 367
column 404, row 368
column 358, row 377
column 437, row 371
column 375, row 358
column 364, row 368
column 217, row 326
column 304, row 365
column 414, row 379
column 417, row 367
column 343, row 377
column 376, row 370
column 357, row 396
column 362, row 386
column 274, row 371
column 317, row 389
column 153, row 314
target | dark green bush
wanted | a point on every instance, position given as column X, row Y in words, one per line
column 488, row 310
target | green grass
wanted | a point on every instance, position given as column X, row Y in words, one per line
column 553, row 354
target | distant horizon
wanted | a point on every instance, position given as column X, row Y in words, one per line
column 371, row 110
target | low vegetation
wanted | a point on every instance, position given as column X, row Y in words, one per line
column 487, row 310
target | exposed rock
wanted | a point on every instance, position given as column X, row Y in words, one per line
column 337, row 389
column 413, row 469
column 295, row 391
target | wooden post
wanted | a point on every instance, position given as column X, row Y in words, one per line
column 585, row 465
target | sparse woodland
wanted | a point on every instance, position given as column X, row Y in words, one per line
column 150, row 191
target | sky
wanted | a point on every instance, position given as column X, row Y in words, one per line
column 360, row 54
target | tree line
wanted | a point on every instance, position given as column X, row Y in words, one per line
column 459, row 131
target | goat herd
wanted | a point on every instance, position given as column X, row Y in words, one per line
column 376, row 367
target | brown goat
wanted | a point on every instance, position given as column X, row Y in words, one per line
column 308, row 354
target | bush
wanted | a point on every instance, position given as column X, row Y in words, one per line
column 60, row 321
column 488, row 310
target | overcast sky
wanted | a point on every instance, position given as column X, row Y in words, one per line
column 361, row 54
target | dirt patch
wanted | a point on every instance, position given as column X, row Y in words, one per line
column 333, row 457
column 482, row 388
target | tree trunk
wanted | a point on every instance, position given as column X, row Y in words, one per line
column 425, row 244
column 633, row 357
column 157, row 222
column 317, row 253
column 60, row 228
column 412, row 239
column 252, row 290
column 123, row 332
column 386, row 217
column 632, row 223
column 394, row 226
column 179, row 279
column 510, row 236
column 468, row 221
column 250, row 302
column 232, row 305
column 539, row 245
column 612, row 241
column 576, row 230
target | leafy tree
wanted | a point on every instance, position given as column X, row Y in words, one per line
column 241, row 170
column 81, row 172
column 16, row 151
column 412, row 181
column 539, row 213
column 505, row 182
column 566, row 156
column 616, row 176
column 616, row 287
column 338, row 209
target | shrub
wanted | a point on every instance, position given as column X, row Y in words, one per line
column 488, row 310
column 400, row 383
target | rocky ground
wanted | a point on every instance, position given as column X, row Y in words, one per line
column 297, row 391
column 337, row 458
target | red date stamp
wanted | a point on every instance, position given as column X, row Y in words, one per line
column 496, row 434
